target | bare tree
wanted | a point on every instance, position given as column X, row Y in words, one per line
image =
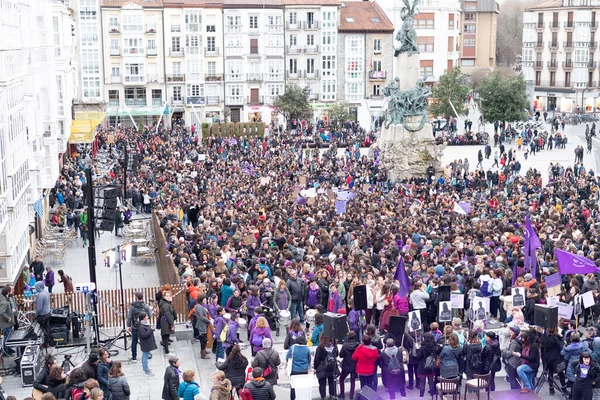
column 509, row 31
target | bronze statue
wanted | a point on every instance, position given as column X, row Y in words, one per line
column 407, row 34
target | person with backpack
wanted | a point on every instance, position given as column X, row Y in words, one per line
column 188, row 389
column 392, row 370
column 427, row 355
column 220, row 324
column 136, row 308
column 451, row 358
column 325, row 365
column 202, row 323
column 491, row 360
column 268, row 360
column 472, row 354
column 258, row 387
column 229, row 334
column 411, row 345
column 348, row 364
column 260, row 332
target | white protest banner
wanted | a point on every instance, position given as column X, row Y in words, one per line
column 457, row 300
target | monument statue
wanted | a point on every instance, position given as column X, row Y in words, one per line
column 406, row 142
column 407, row 36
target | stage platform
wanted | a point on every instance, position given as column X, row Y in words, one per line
column 506, row 395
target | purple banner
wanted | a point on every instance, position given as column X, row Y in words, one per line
column 569, row 263
column 402, row 277
column 340, row 207
column 553, row 280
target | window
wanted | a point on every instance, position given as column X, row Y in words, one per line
column 450, row 21
column 134, row 73
column 253, row 46
column 293, row 66
column 425, row 44
column 354, row 45
column 468, row 63
column 133, row 46
column 194, row 90
column 212, row 68
column 151, row 46
column 133, row 23
column 377, row 66
column 310, row 66
column 329, row 65
column 177, row 69
column 469, row 16
column 329, row 19
column 354, row 68
column 192, row 41
column 377, row 46
column 470, row 28
column 151, row 24
column 254, row 22
column 274, row 90
column 353, row 91
column 176, row 43
column 116, row 71
column 234, row 23
column 177, row 93
column 90, row 61
column 293, row 40
column 425, row 21
column 156, row 97
column 581, row 55
column 426, row 68
column 113, row 24
column 211, row 44
column 234, row 68
column 193, row 70
column 114, row 47
column 113, row 97
column 328, row 89
column 211, row 28
column 310, row 40
column 193, row 19
column 328, row 40
column 376, row 90
column 175, row 23
column 91, row 87
column 293, row 18
column 469, row 42
column 450, row 44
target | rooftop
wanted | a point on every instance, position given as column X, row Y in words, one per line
column 141, row 3
column 546, row 4
column 363, row 16
column 311, row 2
column 253, row 3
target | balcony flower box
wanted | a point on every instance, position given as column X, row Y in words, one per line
column 151, row 30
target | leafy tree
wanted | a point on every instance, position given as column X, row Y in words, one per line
column 340, row 113
column 293, row 103
column 503, row 97
column 451, row 88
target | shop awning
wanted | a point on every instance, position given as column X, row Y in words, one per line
column 134, row 111
column 84, row 126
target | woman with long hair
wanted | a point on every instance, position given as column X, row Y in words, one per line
column 472, row 354
column 235, row 367
column 381, row 298
column 530, row 356
column 325, row 365
column 451, row 357
column 295, row 335
column 119, row 387
column 552, row 345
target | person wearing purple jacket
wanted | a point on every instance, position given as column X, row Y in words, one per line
column 220, row 323
column 253, row 301
column 258, row 312
column 260, row 332
column 357, row 322
column 335, row 302
column 49, row 279
column 234, row 303
column 231, row 338
column 213, row 304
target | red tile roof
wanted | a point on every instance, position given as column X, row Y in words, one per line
column 367, row 17
column 311, row 2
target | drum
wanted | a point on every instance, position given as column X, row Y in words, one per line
column 242, row 323
column 284, row 317
column 310, row 316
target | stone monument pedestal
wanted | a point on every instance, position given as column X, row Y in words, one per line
column 408, row 70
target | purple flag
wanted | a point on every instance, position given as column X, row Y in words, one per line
column 465, row 205
column 402, row 277
column 301, row 200
column 569, row 263
column 532, row 242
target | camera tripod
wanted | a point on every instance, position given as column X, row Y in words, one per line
column 546, row 377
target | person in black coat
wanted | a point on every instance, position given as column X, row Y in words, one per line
column 490, row 352
column 147, row 340
column 552, row 345
column 42, row 382
column 259, row 388
column 326, row 373
column 586, row 372
column 91, row 365
column 235, row 367
column 171, row 380
column 428, row 348
column 348, row 364
column 472, row 351
column 411, row 346
column 393, row 382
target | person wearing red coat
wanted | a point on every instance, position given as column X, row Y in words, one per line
column 366, row 356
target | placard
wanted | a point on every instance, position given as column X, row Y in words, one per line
column 518, row 297
column 445, row 311
column 210, row 199
column 457, row 301
column 588, row 299
column 303, row 180
column 553, row 291
column 480, row 308
column 248, row 240
column 578, row 304
column 553, row 301
column 565, row 311
column 415, row 321
column 553, row 280
column 201, row 157
column 110, row 139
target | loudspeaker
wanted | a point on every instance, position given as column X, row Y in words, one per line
column 397, row 324
column 545, row 316
column 366, row 393
column 443, row 293
column 109, row 214
column 109, row 193
column 335, row 326
column 106, row 225
column 360, row 297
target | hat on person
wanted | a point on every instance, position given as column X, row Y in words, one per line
column 516, row 330
column 227, row 316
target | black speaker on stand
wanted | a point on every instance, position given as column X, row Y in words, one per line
column 360, row 297
column 366, row 393
column 335, row 326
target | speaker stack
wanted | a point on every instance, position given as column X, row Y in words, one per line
column 545, row 316
column 360, row 297
column 105, row 206
column 335, row 326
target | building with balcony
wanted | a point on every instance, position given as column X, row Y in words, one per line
column 254, row 58
column 134, row 79
column 194, row 60
column 365, row 56
column 36, row 93
column 478, row 26
column 311, row 30
column 560, row 58
column 438, row 34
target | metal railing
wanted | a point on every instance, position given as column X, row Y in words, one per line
column 176, row 78
column 176, row 52
column 151, row 52
column 311, row 49
column 234, row 100
column 567, row 64
column 133, row 51
column 567, row 44
column 540, row 25
column 254, row 77
column 257, row 100
column 115, row 79
column 553, row 24
column 553, row 45
column 211, row 53
column 294, row 50
column 212, row 100
column 553, row 64
column 569, row 24
column 538, row 64
column 591, row 65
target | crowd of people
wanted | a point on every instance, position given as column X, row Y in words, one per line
column 254, row 232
